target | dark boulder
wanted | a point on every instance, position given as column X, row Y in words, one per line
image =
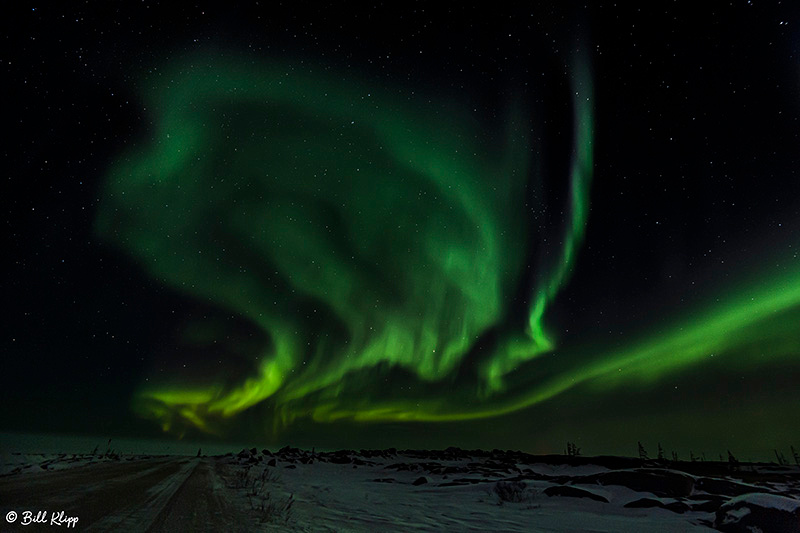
column 768, row 513
column 646, row 503
column 708, row 506
column 668, row 483
column 726, row 487
column 643, row 503
column 573, row 492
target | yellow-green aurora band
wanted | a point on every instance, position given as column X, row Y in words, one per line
column 365, row 232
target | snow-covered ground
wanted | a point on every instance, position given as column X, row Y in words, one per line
column 450, row 490
column 15, row 463
column 367, row 492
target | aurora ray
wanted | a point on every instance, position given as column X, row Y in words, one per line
column 367, row 236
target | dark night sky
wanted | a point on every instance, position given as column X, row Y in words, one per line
column 670, row 311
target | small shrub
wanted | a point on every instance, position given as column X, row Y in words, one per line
column 512, row 492
column 240, row 478
column 274, row 511
column 572, row 450
column 267, row 476
column 643, row 453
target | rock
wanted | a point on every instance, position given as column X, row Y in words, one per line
column 272, row 462
column 420, row 481
column 677, row 507
column 643, row 503
column 768, row 513
column 708, row 506
column 723, row 486
column 288, row 450
column 573, row 492
column 471, row 480
column 646, row 503
column 659, row 482
column 403, row 466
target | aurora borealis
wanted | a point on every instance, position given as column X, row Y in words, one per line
column 360, row 237
column 313, row 201
column 318, row 246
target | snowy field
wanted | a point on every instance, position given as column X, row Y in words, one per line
column 388, row 490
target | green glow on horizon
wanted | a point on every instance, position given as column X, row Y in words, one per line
column 364, row 234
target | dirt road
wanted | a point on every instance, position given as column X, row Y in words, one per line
column 156, row 494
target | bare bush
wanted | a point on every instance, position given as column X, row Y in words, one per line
column 512, row 492
column 272, row 510
column 267, row 507
column 267, row 476
column 240, row 478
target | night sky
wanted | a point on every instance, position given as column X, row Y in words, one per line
column 404, row 226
